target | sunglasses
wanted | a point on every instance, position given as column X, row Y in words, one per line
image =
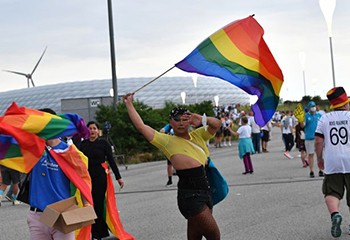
column 177, row 118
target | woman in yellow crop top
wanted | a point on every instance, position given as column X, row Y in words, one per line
column 188, row 153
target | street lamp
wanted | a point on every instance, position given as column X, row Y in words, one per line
column 112, row 50
column 216, row 100
column 183, row 97
column 327, row 8
column 302, row 57
column 194, row 79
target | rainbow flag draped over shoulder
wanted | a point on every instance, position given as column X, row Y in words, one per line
column 239, row 55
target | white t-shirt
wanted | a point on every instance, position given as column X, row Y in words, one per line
column 286, row 130
column 252, row 123
column 335, row 127
column 244, row 131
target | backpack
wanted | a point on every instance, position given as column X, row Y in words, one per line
column 286, row 122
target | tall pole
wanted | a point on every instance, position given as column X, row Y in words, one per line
column 304, row 83
column 332, row 61
column 112, row 49
column 327, row 8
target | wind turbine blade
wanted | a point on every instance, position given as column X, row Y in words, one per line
column 38, row 61
column 32, row 82
column 24, row 74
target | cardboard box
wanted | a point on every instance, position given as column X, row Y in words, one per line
column 66, row 216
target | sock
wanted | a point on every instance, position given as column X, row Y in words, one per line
column 170, row 178
column 14, row 197
column 333, row 213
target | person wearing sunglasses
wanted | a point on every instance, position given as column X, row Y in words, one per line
column 187, row 151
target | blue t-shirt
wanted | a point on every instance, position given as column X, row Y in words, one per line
column 311, row 121
column 48, row 183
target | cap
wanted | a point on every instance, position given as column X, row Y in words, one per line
column 337, row 97
column 311, row 104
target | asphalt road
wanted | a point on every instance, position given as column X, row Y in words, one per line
column 279, row 201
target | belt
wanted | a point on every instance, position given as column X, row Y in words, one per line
column 34, row 209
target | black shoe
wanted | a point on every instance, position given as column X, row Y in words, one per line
column 320, row 174
column 312, row 175
column 251, row 172
column 169, row 183
column 244, row 173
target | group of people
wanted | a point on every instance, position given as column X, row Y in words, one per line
column 187, row 152
column 304, row 127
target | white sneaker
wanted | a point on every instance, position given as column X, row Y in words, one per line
column 16, row 202
column 288, row 155
column 225, row 145
column 229, row 144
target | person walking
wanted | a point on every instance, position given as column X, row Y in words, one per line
column 167, row 129
column 332, row 151
column 309, row 125
column 245, row 145
column 188, row 154
column 99, row 152
column 10, row 176
column 255, row 132
column 266, row 131
column 287, row 134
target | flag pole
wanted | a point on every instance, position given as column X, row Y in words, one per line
column 152, row 80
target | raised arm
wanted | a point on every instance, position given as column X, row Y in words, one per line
column 135, row 118
column 213, row 123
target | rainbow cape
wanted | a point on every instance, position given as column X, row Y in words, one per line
column 23, row 132
column 239, row 55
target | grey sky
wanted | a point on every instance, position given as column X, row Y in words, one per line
column 151, row 36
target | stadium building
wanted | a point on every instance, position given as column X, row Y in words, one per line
column 83, row 97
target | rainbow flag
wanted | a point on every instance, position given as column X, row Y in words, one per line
column 239, row 55
column 44, row 125
column 111, row 212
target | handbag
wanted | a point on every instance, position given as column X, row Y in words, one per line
column 218, row 184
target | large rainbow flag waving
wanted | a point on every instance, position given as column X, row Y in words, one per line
column 239, row 55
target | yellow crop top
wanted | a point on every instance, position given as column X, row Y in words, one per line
column 171, row 145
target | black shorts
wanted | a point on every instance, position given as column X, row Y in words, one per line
column 334, row 184
column 266, row 136
column 9, row 176
column 227, row 133
column 192, row 202
column 193, row 194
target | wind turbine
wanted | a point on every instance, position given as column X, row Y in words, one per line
column 29, row 75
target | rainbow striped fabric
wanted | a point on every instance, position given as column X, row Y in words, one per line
column 23, row 132
column 239, row 55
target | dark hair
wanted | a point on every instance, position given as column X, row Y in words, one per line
column 48, row 110
column 93, row 122
column 244, row 120
column 177, row 111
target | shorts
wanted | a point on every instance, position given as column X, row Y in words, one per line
column 9, row 176
column 192, row 202
column 266, row 136
column 333, row 185
column 310, row 146
column 193, row 194
column 227, row 133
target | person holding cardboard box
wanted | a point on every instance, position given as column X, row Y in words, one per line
column 49, row 184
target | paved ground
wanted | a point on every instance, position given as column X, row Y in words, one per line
column 279, row 201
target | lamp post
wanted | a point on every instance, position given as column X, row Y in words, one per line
column 183, row 97
column 327, row 8
column 194, row 79
column 112, row 50
column 302, row 57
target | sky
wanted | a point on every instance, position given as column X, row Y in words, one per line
column 151, row 36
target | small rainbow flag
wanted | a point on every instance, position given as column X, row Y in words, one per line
column 239, row 55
